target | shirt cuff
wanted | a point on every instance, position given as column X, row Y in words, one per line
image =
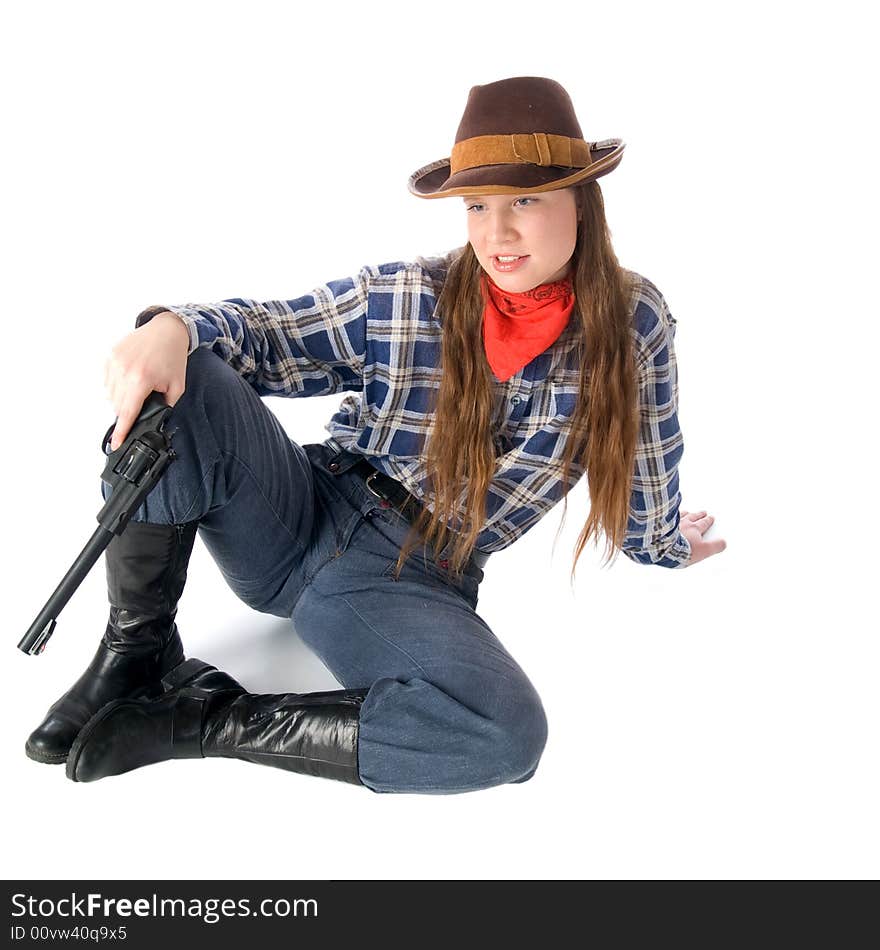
column 191, row 327
column 675, row 555
column 678, row 555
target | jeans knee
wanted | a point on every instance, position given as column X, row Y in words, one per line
column 521, row 735
column 201, row 422
column 203, row 358
column 419, row 736
column 219, row 400
column 205, row 368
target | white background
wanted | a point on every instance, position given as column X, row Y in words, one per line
column 716, row 722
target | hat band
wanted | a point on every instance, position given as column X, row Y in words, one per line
column 522, row 148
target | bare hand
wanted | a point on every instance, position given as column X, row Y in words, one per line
column 152, row 357
column 693, row 527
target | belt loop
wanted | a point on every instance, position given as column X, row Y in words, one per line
column 481, row 558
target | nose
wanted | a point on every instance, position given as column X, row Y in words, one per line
column 501, row 229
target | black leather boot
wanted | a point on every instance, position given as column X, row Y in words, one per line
column 205, row 712
column 146, row 573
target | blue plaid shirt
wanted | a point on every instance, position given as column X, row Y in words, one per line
column 376, row 336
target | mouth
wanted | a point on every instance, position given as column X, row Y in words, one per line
column 508, row 262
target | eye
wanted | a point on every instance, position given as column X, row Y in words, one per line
column 471, row 207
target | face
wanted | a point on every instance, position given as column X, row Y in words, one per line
column 539, row 228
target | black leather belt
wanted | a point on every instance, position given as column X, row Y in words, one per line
column 389, row 490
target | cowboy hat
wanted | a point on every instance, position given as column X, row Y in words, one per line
column 517, row 135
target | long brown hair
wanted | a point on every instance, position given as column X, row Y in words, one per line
column 603, row 430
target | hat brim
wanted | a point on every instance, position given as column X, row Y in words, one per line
column 434, row 180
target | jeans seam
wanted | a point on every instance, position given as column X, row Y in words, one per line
column 384, row 639
column 343, row 541
column 302, row 547
column 186, row 517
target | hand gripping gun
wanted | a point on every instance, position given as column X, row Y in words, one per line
column 132, row 471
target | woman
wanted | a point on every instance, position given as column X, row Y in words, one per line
column 483, row 384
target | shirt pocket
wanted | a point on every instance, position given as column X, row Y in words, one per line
column 563, row 399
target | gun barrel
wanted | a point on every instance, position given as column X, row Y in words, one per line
column 34, row 641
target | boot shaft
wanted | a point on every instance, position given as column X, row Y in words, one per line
column 146, row 574
column 147, row 565
column 310, row 733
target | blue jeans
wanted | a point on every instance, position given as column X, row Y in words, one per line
column 448, row 709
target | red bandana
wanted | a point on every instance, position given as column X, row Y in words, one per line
column 517, row 327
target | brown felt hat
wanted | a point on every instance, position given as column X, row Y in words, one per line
column 517, row 135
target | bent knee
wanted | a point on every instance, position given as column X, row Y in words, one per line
column 205, row 368
column 419, row 736
column 521, row 735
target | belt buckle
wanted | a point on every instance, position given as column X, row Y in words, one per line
column 376, row 492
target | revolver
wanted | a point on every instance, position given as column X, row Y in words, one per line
column 132, row 471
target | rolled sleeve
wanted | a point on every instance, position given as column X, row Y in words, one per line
column 312, row 345
column 653, row 535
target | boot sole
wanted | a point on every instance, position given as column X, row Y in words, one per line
column 58, row 758
column 179, row 676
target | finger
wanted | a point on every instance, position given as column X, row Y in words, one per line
column 714, row 547
column 120, row 431
column 131, row 407
column 704, row 523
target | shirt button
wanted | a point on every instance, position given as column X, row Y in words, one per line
column 444, row 563
column 515, row 400
column 384, row 503
column 333, row 466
